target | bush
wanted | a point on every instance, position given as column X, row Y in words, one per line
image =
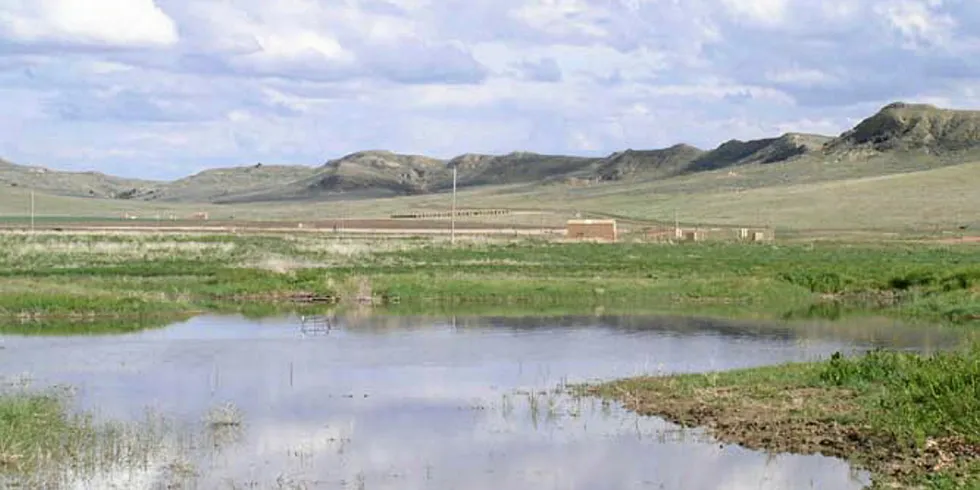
column 823, row 282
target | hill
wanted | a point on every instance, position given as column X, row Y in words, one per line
column 517, row 167
column 898, row 138
column 77, row 184
column 735, row 153
column 365, row 174
column 637, row 163
column 913, row 127
column 220, row 184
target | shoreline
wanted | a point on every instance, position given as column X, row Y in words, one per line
column 848, row 408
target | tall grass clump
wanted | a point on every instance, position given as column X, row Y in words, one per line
column 44, row 444
column 915, row 397
column 32, row 426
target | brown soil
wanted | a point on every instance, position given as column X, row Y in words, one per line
column 309, row 298
column 319, row 225
column 798, row 420
column 964, row 239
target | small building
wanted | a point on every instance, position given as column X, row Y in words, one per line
column 693, row 235
column 591, row 229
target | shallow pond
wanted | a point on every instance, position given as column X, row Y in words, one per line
column 453, row 403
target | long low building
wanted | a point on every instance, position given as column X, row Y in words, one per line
column 591, row 229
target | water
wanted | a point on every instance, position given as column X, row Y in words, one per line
column 386, row 402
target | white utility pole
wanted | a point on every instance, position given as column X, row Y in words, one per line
column 452, row 217
column 32, row 211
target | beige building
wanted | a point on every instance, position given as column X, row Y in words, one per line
column 591, row 229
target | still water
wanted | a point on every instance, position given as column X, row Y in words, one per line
column 452, row 403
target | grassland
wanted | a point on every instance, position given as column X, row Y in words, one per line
column 119, row 279
column 911, row 420
column 887, row 194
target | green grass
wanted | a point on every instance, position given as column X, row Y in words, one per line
column 32, row 426
column 41, row 438
column 909, row 419
column 913, row 398
column 45, row 443
column 120, row 276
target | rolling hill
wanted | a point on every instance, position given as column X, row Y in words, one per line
column 898, row 138
column 913, row 127
column 76, row 184
column 735, row 153
column 517, row 167
column 659, row 163
column 226, row 183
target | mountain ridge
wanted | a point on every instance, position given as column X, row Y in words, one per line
column 945, row 136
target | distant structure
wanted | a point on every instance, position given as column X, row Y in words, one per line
column 448, row 214
column 200, row 216
column 756, row 235
column 693, row 236
column 591, row 229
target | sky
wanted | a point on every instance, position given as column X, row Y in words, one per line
column 165, row 88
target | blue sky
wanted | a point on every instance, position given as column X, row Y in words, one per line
column 169, row 87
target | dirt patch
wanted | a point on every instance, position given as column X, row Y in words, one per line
column 360, row 297
column 334, row 225
column 964, row 239
column 786, row 419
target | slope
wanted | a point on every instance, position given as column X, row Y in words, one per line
column 898, row 138
column 923, row 200
column 220, row 184
column 913, row 127
column 734, row 153
column 517, row 167
column 646, row 163
column 78, row 184
column 361, row 175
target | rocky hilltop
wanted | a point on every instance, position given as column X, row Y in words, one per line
column 905, row 127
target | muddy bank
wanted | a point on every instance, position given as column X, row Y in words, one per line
column 779, row 410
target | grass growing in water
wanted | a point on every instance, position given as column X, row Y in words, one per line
column 32, row 428
column 43, row 444
column 911, row 420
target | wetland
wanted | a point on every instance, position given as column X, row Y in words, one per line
column 209, row 361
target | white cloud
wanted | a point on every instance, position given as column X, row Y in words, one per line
column 561, row 17
column 800, row 76
column 308, row 80
column 918, row 21
column 765, row 12
column 124, row 23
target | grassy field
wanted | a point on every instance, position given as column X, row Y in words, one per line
column 881, row 194
column 911, row 420
column 126, row 278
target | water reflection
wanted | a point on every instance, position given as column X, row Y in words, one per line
column 387, row 402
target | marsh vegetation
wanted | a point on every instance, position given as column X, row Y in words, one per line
column 101, row 277
column 908, row 407
column 910, row 419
